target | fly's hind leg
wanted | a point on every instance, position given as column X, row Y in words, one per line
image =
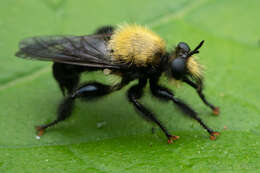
column 86, row 91
column 64, row 111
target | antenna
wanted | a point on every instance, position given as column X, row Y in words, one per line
column 195, row 51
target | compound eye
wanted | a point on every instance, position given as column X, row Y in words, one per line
column 183, row 49
column 178, row 67
column 183, row 46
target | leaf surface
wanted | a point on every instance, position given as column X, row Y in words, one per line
column 29, row 95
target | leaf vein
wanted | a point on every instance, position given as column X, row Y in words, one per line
column 178, row 14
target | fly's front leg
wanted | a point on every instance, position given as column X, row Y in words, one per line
column 198, row 88
column 165, row 94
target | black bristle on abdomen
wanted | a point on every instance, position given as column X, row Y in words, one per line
column 105, row 30
column 67, row 76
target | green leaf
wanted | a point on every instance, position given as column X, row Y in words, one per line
column 107, row 135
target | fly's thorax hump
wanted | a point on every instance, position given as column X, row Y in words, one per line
column 136, row 45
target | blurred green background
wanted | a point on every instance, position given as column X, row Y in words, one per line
column 29, row 95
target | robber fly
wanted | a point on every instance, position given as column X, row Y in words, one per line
column 132, row 52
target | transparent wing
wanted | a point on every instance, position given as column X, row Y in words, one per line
column 90, row 51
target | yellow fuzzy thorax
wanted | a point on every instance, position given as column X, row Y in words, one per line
column 136, row 45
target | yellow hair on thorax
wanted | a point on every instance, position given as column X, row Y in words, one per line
column 137, row 45
column 194, row 67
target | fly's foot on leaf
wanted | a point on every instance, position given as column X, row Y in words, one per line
column 40, row 130
column 172, row 138
column 214, row 135
column 216, row 111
